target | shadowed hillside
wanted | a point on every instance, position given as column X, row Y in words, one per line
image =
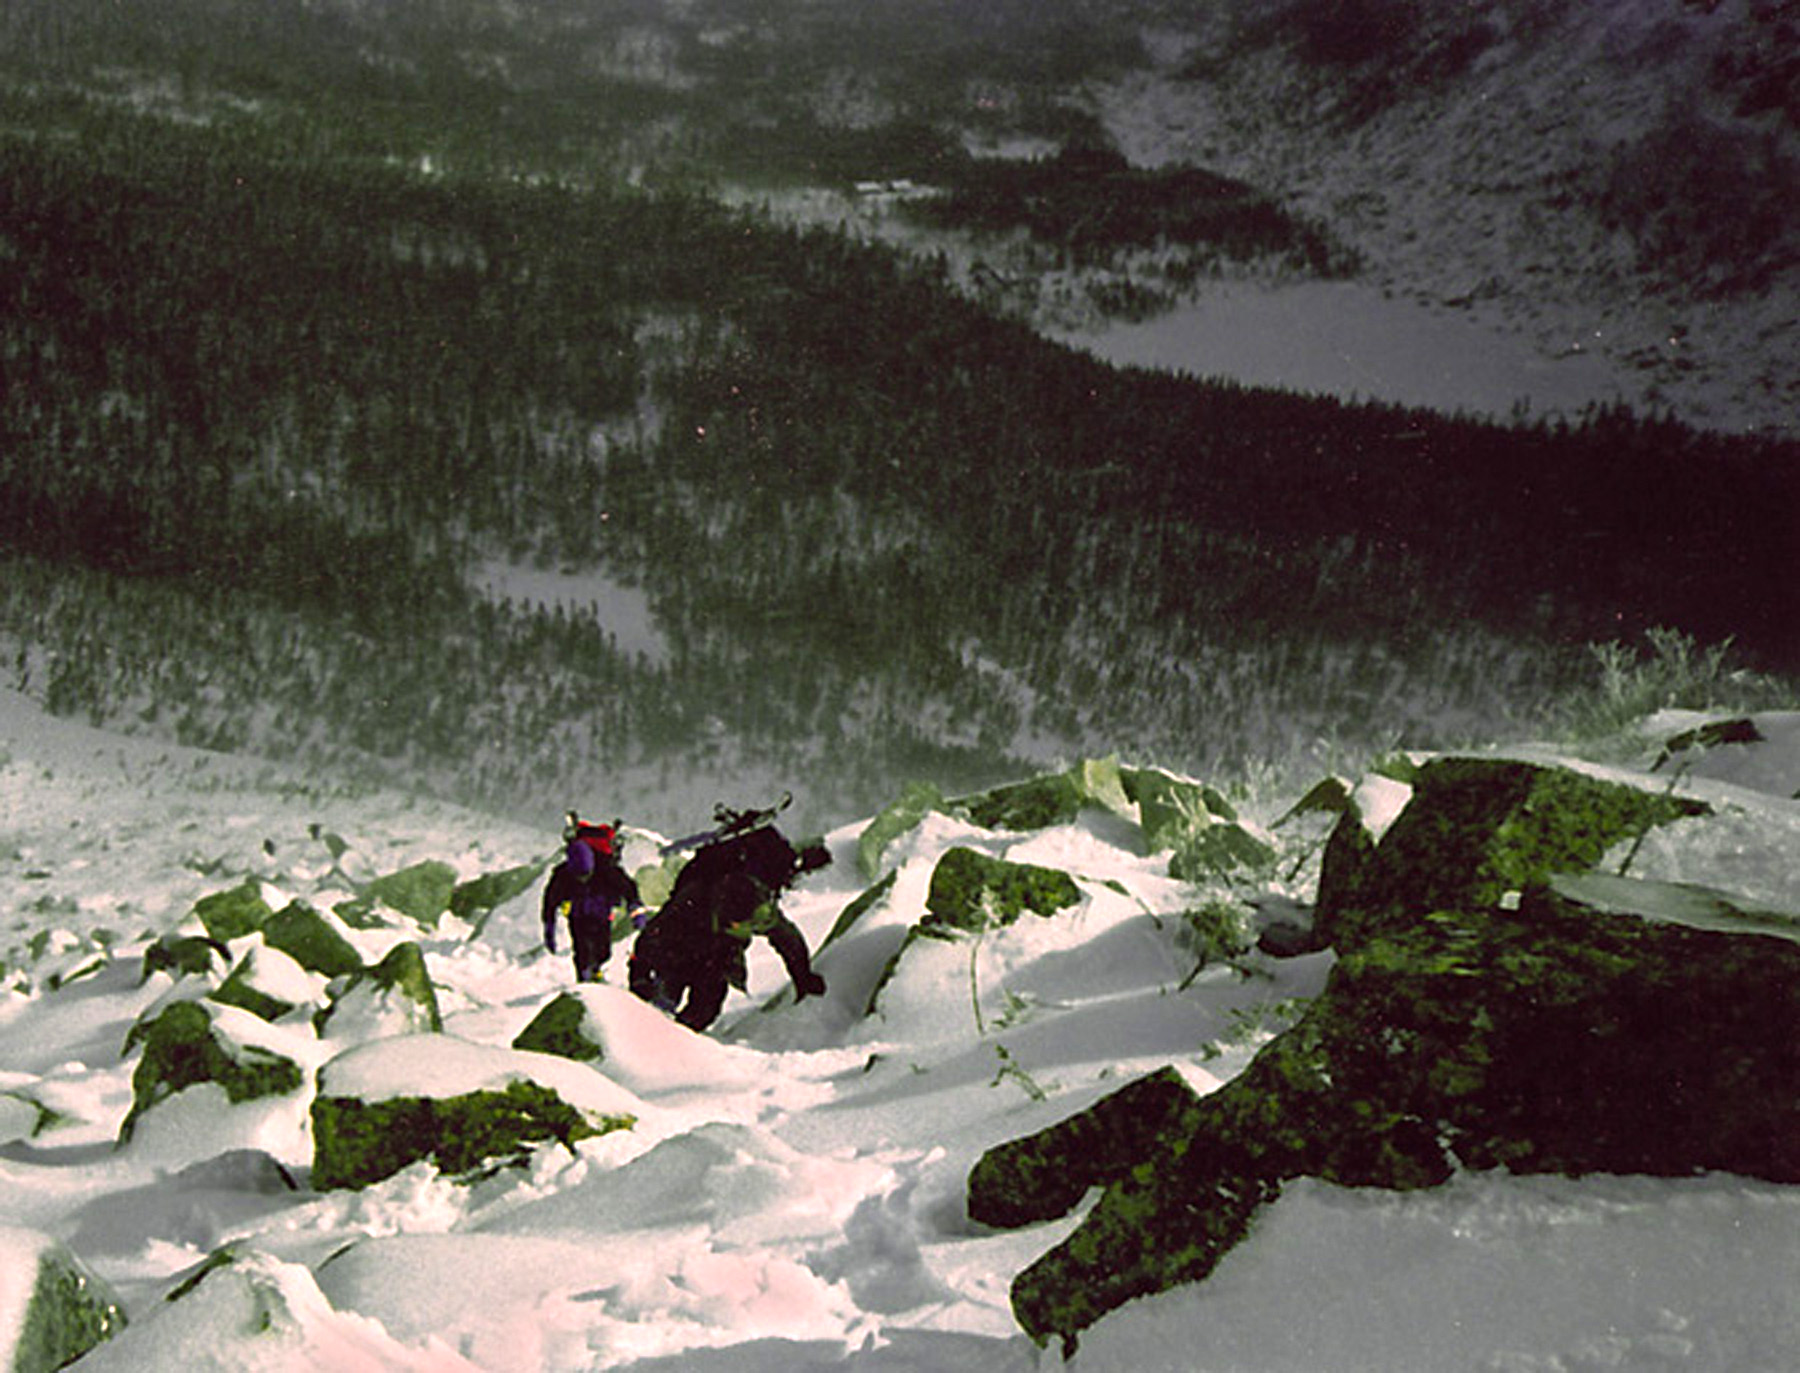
column 304, row 338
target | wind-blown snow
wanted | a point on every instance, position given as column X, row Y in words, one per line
column 792, row 1197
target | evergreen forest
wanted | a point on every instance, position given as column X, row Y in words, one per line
column 307, row 321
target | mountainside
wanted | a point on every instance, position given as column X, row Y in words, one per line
column 479, row 340
column 1613, row 179
column 420, row 417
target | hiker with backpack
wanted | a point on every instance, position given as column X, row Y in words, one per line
column 590, row 882
column 694, row 949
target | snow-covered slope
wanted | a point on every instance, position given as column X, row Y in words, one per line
column 793, row 1194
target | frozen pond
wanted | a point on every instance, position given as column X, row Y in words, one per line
column 622, row 611
column 1347, row 339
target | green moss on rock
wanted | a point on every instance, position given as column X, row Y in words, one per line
column 482, row 894
column 1037, row 803
column 1474, row 830
column 969, row 887
column 421, row 892
column 183, row 1046
column 234, row 913
column 70, row 1311
column 1045, row 1175
column 307, row 937
column 1555, row 1038
column 185, row 955
column 915, row 802
column 358, row 1142
column 560, row 1028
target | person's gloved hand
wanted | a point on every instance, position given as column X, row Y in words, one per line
column 641, row 917
column 808, row 984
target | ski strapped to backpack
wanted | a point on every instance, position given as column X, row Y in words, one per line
column 729, row 823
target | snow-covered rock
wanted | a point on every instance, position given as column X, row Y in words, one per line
column 395, row 996
column 1495, row 1004
column 1758, row 751
column 191, row 1043
column 386, row 1104
column 253, row 1312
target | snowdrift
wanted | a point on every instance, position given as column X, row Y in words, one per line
column 279, row 1112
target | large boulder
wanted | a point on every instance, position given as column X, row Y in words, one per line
column 1170, row 806
column 1204, row 831
column 915, row 802
column 865, row 901
column 24, row 1116
column 1054, row 798
column 186, row 955
column 971, row 894
column 641, row 1049
column 465, row 1107
column 244, row 1309
column 1575, row 1034
column 1473, row 831
column 53, row 1309
column 1173, row 812
column 1760, row 752
column 191, row 1042
column 1045, row 1175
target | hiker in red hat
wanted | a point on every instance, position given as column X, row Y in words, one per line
column 591, row 884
